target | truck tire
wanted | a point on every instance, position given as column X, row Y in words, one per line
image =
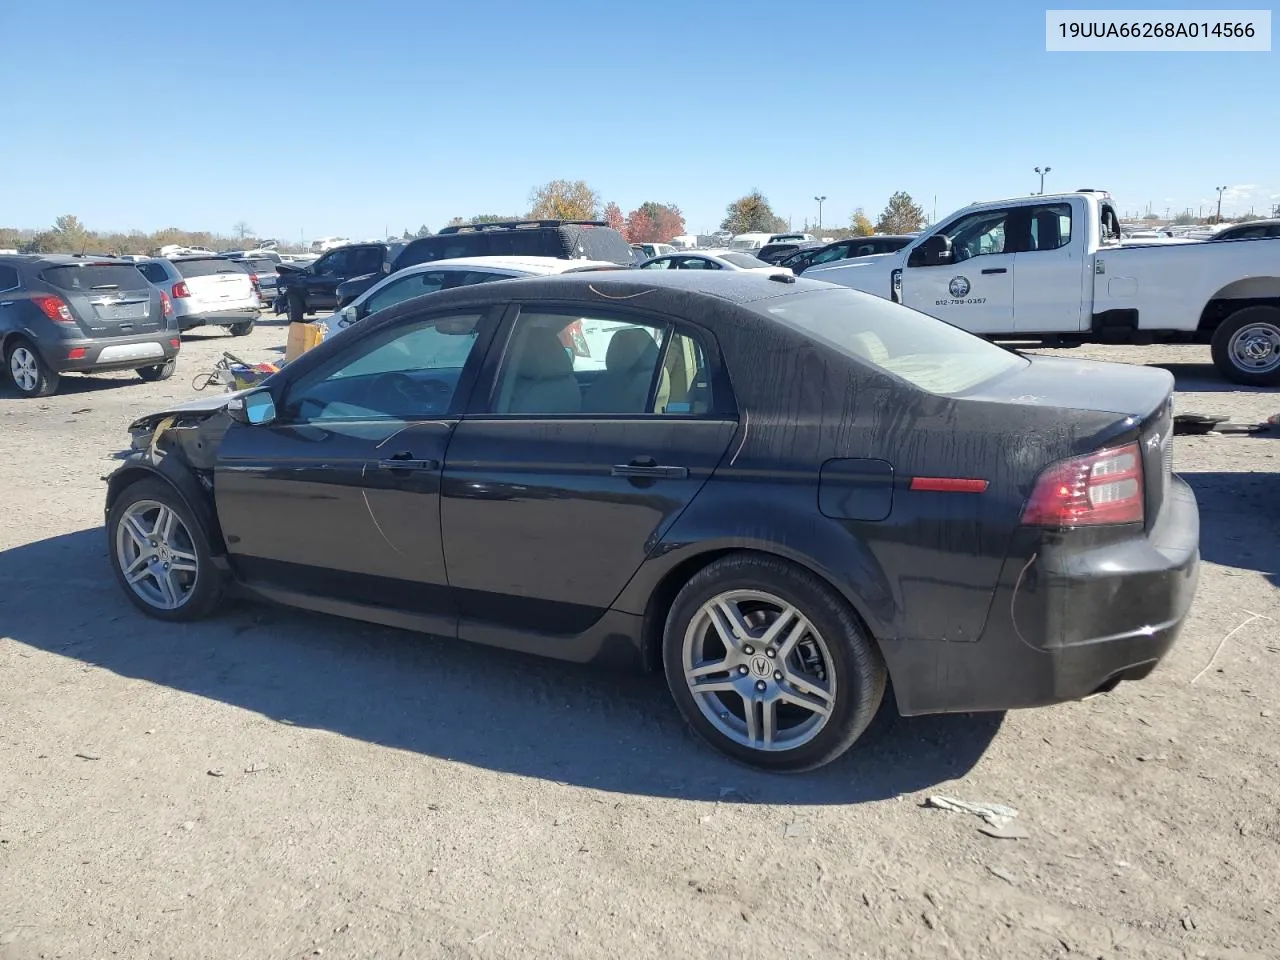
column 1246, row 347
column 297, row 309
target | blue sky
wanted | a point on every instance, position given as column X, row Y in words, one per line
column 394, row 114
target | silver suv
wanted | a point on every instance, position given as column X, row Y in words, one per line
column 206, row 291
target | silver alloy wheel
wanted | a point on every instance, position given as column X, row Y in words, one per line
column 1256, row 347
column 156, row 554
column 25, row 367
column 759, row 670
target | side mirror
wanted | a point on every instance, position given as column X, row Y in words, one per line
column 935, row 250
column 254, row 408
column 347, row 316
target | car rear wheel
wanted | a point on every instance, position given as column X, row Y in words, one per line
column 31, row 376
column 1246, row 347
column 297, row 309
column 159, row 371
column 241, row 329
column 769, row 665
column 160, row 553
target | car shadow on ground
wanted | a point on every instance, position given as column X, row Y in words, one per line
column 1202, row 378
column 1240, row 518
column 470, row 704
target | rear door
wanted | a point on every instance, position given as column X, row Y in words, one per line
column 1048, row 295
column 106, row 299
column 597, row 432
column 217, row 284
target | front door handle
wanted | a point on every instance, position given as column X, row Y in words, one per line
column 995, row 270
column 406, row 461
column 648, row 468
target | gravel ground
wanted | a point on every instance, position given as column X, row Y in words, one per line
column 277, row 784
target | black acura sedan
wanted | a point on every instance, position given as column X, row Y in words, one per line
column 780, row 492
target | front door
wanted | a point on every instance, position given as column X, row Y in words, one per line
column 339, row 497
column 975, row 290
column 599, row 430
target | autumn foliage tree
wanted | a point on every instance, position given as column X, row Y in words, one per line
column 654, row 223
column 564, row 200
column 861, row 224
column 613, row 216
column 752, row 214
column 902, row 215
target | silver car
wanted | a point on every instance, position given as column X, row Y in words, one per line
column 206, row 291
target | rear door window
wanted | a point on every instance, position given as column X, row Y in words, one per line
column 8, row 278
column 94, row 276
column 154, row 273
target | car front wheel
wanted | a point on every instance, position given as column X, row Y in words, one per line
column 31, row 376
column 769, row 665
column 160, row 553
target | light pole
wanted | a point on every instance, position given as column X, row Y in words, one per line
column 1219, row 218
column 1042, row 173
column 820, row 199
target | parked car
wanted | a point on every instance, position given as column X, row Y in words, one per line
column 656, row 249
column 712, row 260
column 1077, row 283
column 846, row 249
column 206, row 291
column 563, row 239
column 615, row 514
column 304, row 290
column 446, row 274
column 1253, row 230
column 262, row 271
column 776, row 252
column 752, row 242
column 65, row 314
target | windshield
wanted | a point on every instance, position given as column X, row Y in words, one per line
column 744, row 260
column 914, row 347
column 207, row 267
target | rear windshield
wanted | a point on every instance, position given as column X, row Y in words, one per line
column 95, row 276
column 912, row 346
column 259, row 266
column 207, row 267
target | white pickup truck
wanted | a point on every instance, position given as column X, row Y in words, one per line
column 1052, row 269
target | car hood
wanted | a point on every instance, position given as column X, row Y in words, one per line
column 191, row 412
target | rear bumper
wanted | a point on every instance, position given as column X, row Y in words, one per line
column 218, row 318
column 112, row 353
column 1066, row 622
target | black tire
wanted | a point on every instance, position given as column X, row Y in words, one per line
column 159, row 371
column 297, row 309
column 1262, row 317
column 241, row 329
column 43, row 381
column 856, row 663
column 208, row 587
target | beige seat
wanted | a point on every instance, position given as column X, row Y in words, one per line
column 624, row 385
column 543, row 380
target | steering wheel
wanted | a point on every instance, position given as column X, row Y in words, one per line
column 425, row 393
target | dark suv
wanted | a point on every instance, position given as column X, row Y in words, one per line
column 303, row 290
column 563, row 239
column 62, row 314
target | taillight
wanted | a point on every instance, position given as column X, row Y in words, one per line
column 166, row 305
column 180, row 290
column 1103, row 487
column 55, row 308
column 176, row 343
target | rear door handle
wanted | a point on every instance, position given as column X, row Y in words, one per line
column 645, row 467
column 995, row 270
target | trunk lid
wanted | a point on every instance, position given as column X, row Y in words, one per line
column 217, row 284
column 107, row 299
column 1140, row 398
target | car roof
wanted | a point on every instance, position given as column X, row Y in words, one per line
column 64, row 259
column 531, row 264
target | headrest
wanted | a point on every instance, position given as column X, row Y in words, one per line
column 544, row 356
column 628, row 349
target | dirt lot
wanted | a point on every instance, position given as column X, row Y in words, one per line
column 275, row 784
